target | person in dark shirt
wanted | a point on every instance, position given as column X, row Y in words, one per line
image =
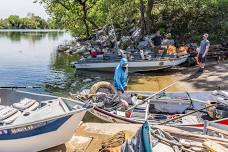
column 155, row 42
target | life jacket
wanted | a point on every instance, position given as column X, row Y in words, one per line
column 171, row 50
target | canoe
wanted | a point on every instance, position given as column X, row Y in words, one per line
column 99, row 64
column 34, row 122
column 165, row 107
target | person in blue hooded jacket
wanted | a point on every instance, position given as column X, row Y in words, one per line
column 121, row 74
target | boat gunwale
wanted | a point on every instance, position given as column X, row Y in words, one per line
column 44, row 120
column 155, row 60
column 129, row 120
column 132, row 120
column 73, row 111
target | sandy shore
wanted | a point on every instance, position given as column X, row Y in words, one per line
column 215, row 76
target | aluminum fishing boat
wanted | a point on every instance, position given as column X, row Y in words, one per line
column 167, row 106
column 109, row 62
column 33, row 122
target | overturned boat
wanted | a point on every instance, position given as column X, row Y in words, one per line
column 190, row 107
column 33, row 122
column 108, row 62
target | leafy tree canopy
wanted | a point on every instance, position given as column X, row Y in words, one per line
column 185, row 20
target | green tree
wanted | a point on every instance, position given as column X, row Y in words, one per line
column 14, row 21
column 186, row 20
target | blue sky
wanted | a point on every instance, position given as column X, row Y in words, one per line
column 21, row 8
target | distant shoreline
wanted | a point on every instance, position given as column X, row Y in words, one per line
column 32, row 30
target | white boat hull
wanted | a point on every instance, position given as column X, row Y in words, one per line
column 133, row 66
column 46, row 140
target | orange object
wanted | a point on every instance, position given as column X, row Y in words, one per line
column 171, row 50
column 197, row 59
column 128, row 114
column 183, row 49
column 115, row 149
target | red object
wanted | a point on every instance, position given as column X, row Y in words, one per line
column 119, row 119
column 128, row 114
column 93, row 53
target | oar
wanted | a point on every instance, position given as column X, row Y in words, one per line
column 184, row 115
column 145, row 100
column 18, row 87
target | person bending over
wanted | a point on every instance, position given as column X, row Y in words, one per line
column 121, row 74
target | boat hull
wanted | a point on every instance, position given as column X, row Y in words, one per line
column 113, row 118
column 133, row 66
column 53, row 136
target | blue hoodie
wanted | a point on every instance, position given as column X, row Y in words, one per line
column 120, row 78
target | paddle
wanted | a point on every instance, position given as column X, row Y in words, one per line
column 18, row 87
column 176, row 118
column 145, row 100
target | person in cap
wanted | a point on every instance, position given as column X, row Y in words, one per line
column 121, row 74
column 203, row 49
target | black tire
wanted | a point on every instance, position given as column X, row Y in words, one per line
column 103, row 85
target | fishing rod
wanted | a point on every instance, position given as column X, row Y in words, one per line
column 184, row 115
column 19, row 87
column 146, row 100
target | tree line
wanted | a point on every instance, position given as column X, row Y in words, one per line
column 186, row 20
column 30, row 22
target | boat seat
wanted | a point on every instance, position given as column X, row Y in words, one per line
column 8, row 114
column 26, row 104
column 63, row 105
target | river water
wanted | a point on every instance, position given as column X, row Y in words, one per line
column 30, row 59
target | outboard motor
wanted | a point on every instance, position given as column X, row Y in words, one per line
column 221, row 111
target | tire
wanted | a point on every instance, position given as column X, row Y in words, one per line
column 97, row 87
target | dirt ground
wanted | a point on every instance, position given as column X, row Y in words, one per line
column 215, row 76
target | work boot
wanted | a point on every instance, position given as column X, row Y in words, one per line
column 200, row 70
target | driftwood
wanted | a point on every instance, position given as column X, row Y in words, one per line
column 186, row 134
column 218, row 130
column 164, row 140
column 214, row 147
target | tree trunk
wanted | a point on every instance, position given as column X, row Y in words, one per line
column 84, row 18
column 143, row 22
column 149, row 21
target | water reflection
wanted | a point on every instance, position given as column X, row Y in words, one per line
column 31, row 36
column 30, row 59
column 63, row 74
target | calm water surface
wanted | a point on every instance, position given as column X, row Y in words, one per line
column 30, row 59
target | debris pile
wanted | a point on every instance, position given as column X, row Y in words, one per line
column 219, row 51
column 102, row 40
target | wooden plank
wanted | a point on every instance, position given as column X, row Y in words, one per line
column 214, row 147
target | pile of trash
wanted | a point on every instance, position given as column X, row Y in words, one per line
column 108, row 39
column 219, row 51
column 101, row 41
